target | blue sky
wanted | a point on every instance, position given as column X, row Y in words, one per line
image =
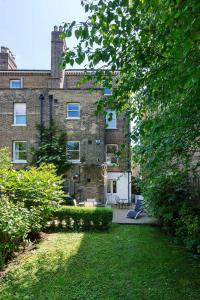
column 26, row 25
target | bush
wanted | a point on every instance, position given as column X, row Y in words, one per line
column 82, row 218
column 26, row 202
column 14, row 227
column 170, row 199
column 37, row 188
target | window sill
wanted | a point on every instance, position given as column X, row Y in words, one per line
column 111, row 128
column 19, row 125
column 75, row 161
column 78, row 118
column 19, row 162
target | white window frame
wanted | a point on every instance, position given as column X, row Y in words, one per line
column 12, row 80
column 73, row 118
column 110, row 163
column 113, row 111
column 74, row 160
column 14, row 153
column 14, row 108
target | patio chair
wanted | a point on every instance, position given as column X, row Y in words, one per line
column 110, row 200
column 135, row 213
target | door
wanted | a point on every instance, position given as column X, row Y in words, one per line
column 111, row 189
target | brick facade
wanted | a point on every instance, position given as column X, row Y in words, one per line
column 89, row 129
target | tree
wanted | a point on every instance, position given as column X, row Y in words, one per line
column 51, row 148
column 154, row 46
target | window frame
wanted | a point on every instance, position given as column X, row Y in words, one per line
column 14, row 152
column 15, row 115
column 110, row 182
column 12, row 80
column 117, row 148
column 74, row 160
column 108, row 111
column 73, row 118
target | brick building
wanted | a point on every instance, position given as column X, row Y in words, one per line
column 27, row 96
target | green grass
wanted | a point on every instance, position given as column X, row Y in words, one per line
column 128, row 262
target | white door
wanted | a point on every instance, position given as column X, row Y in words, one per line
column 111, row 189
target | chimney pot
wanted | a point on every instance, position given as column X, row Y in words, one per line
column 55, row 28
column 60, row 28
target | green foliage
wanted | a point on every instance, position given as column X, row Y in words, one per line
column 28, row 197
column 5, row 163
column 82, row 218
column 14, row 227
column 35, row 187
column 51, row 147
column 154, row 46
column 171, row 200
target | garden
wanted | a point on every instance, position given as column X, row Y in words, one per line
column 125, row 262
column 51, row 251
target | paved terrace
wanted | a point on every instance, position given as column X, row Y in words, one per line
column 119, row 217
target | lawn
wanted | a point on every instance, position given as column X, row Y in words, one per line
column 128, row 262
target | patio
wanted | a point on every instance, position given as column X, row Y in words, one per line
column 119, row 217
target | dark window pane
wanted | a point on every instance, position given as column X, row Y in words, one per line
column 114, row 186
column 72, row 146
column 73, row 155
column 20, row 146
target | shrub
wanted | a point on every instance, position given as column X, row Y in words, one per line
column 170, row 199
column 37, row 188
column 82, row 218
column 14, row 227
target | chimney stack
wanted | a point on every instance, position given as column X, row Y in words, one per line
column 7, row 59
column 57, row 48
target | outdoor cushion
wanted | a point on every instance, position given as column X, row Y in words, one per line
column 133, row 214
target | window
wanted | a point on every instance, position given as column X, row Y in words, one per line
column 111, row 154
column 73, row 151
column 19, row 113
column 20, row 151
column 107, row 92
column 16, row 84
column 112, row 186
column 73, row 111
column 111, row 120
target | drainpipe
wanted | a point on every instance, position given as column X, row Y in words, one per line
column 41, row 98
column 129, row 157
column 50, row 109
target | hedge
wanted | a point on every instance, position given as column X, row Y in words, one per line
column 82, row 218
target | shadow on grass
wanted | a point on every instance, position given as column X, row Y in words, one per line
column 128, row 262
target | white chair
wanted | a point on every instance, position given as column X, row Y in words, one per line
column 110, row 200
